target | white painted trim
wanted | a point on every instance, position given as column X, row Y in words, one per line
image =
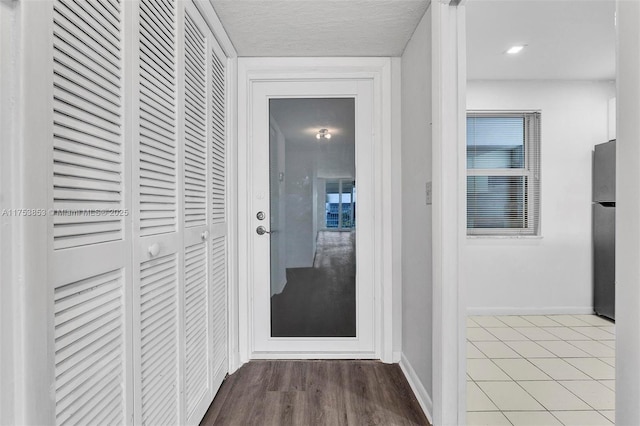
column 33, row 168
column 283, row 69
column 396, row 203
column 449, row 228
column 232, row 215
column 569, row 310
column 9, row 181
column 627, row 212
column 314, row 355
column 416, row 386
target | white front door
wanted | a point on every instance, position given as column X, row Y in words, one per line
column 291, row 168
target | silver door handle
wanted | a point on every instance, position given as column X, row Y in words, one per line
column 261, row 230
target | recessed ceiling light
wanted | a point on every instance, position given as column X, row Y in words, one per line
column 515, row 49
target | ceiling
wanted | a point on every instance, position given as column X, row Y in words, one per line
column 300, row 119
column 565, row 39
column 320, row 27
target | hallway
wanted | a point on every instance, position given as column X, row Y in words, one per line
column 320, row 301
column 313, row 393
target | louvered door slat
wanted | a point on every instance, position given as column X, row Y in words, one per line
column 161, row 153
column 65, row 77
column 71, row 155
column 102, row 34
column 157, row 106
column 158, row 178
column 76, row 96
column 218, row 165
column 156, row 52
column 87, row 168
column 219, row 308
column 92, row 146
column 196, row 298
column 110, row 15
column 73, row 59
column 151, row 80
column 73, row 31
column 89, row 360
column 158, row 335
column 162, row 14
column 160, row 131
column 195, row 124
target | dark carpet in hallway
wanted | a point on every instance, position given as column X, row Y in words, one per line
column 310, row 393
column 320, row 301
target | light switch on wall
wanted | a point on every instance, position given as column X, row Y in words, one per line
column 428, row 193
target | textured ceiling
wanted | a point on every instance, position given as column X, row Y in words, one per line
column 565, row 39
column 320, row 27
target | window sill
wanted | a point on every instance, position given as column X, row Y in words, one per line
column 504, row 237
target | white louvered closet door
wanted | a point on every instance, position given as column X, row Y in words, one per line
column 138, row 251
column 158, row 253
column 218, row 215
column 90, row 246
column 204, row 244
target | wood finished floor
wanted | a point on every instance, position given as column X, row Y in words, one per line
column 310, row 393
column 320, row 301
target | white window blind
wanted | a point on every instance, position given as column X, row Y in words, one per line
column 503, row 173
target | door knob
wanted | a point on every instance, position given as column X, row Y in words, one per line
column 154, row 249
column 204, row 235
column 261, row 230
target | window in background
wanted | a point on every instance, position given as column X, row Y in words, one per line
column 503, row 173
column 340, row 204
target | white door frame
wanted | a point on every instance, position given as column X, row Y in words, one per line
column 362, row 345
column 386, row 267
column 449, row 211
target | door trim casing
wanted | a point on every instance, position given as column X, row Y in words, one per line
column 386, row 242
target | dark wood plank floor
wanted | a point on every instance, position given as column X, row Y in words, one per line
column 310, row 393
column 320, row 301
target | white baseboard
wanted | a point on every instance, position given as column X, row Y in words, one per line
column 570, row 310
column 416, row 386
column 397, row 357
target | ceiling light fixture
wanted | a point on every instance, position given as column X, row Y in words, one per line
column 323, row 134
column 515, row 49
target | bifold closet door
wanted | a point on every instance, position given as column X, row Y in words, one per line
column 137, row 250
column 158, row 253
column 203, row 215
column 89, row 255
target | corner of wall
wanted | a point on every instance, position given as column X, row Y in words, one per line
column 423, row 397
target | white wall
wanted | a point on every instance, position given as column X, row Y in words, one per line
column 552, row 273
column 416, row 214
column 627, row 214
column 300, row 169
column 276, row 216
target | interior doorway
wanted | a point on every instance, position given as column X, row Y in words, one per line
column 312, row 287
column 313, row 270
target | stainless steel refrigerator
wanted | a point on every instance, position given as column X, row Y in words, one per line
column 604, row 229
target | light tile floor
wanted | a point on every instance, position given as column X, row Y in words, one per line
column 540, row 370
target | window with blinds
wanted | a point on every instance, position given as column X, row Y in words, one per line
column 503, row 173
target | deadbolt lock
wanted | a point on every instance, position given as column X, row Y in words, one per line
column 261, row 215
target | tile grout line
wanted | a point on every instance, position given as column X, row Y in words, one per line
column 565, row 359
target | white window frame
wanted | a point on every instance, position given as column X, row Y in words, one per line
column 531, row 170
